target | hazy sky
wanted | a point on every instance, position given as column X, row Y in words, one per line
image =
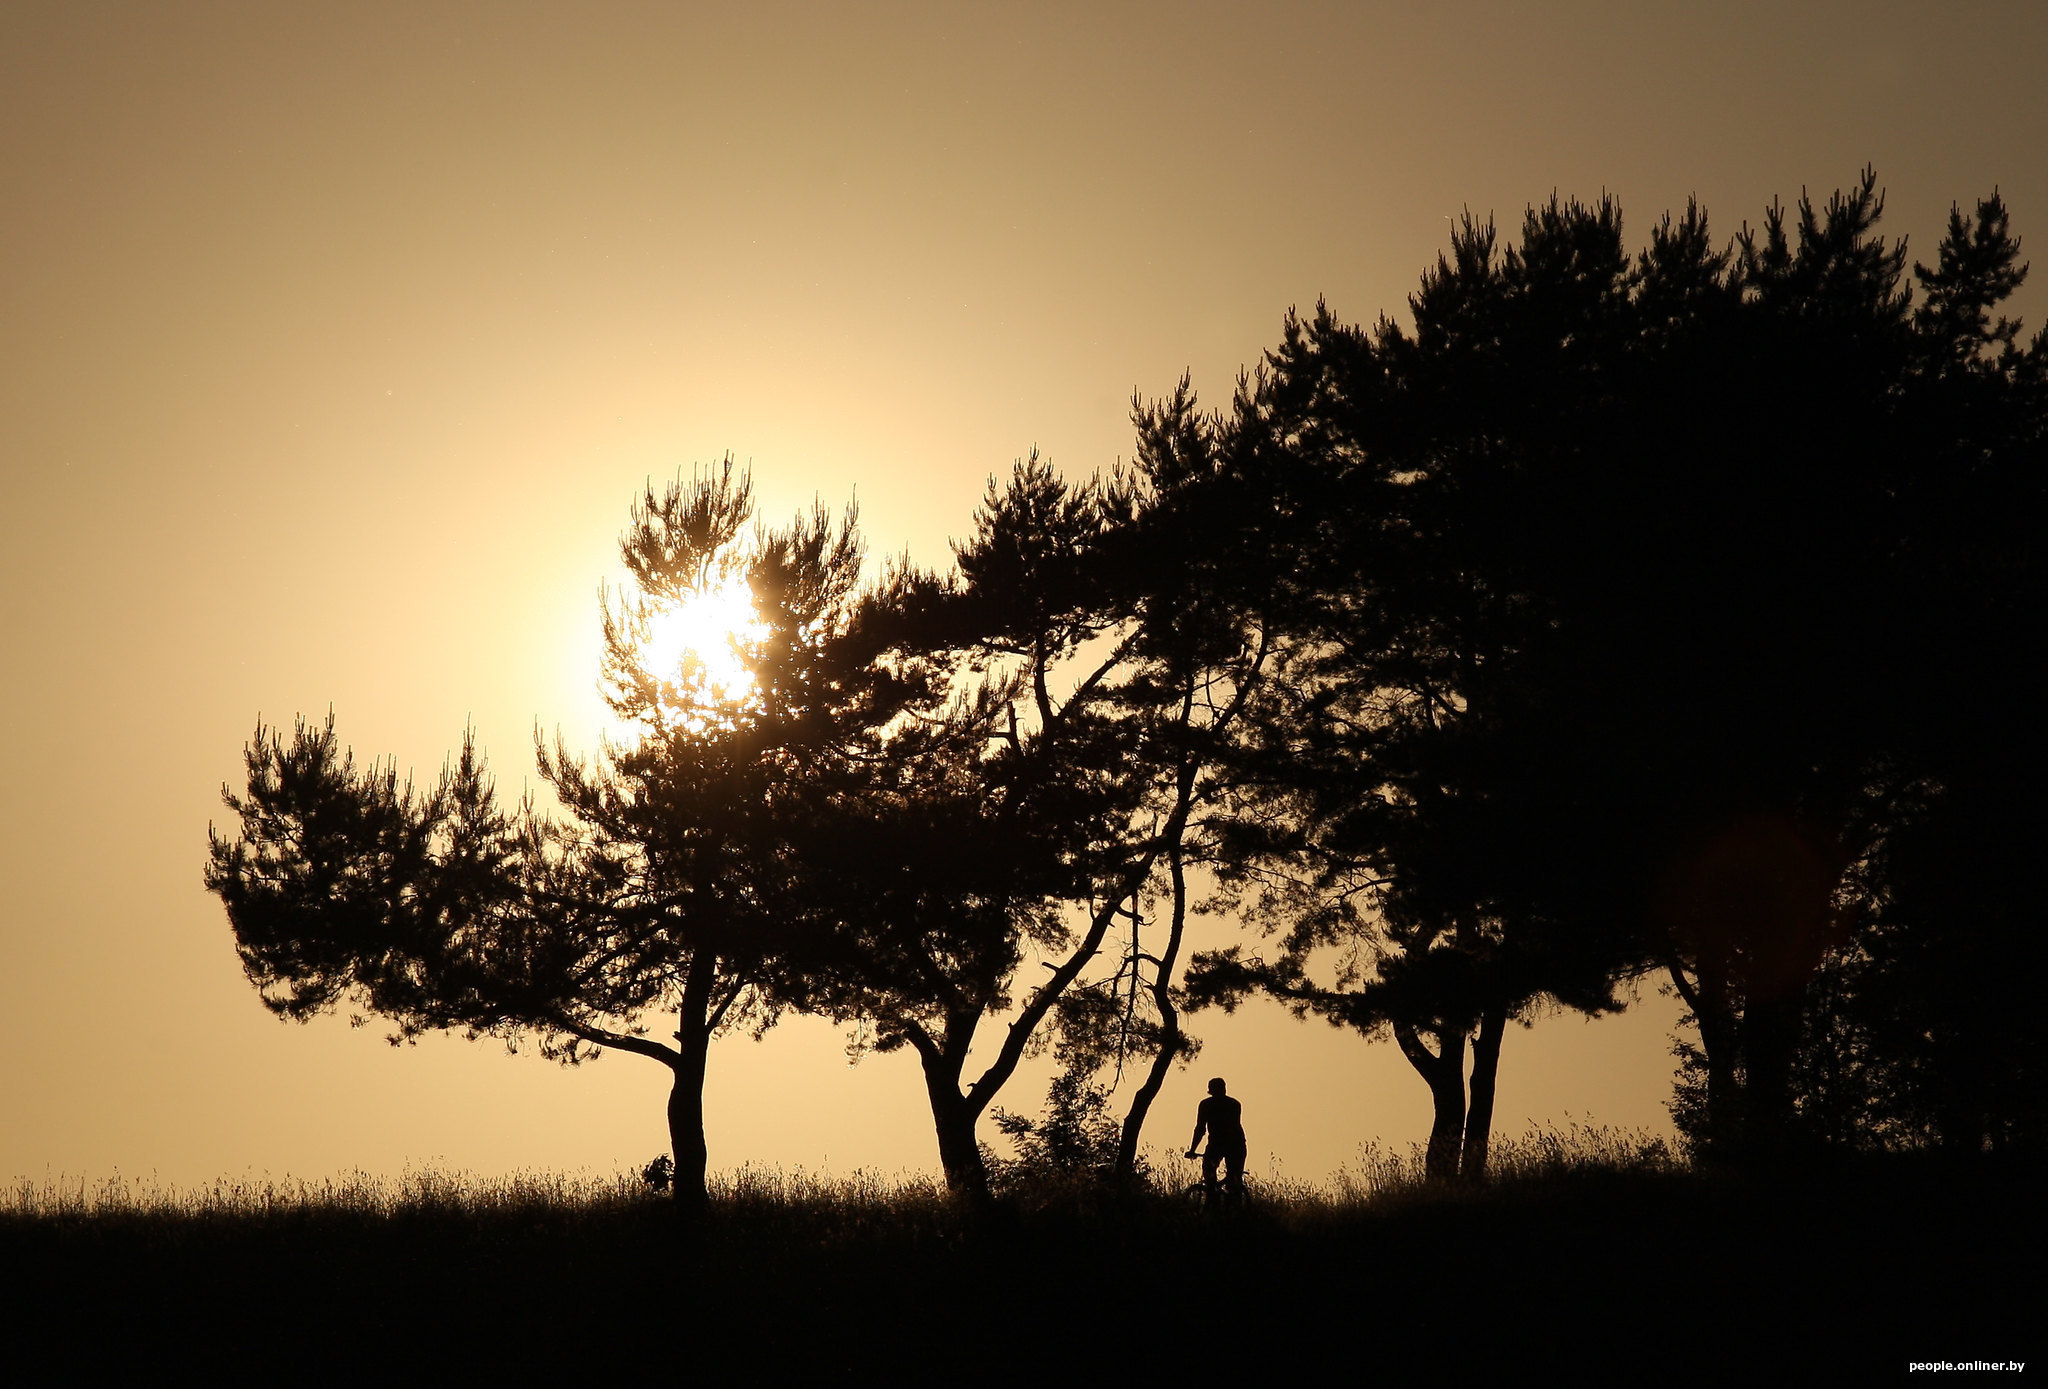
column 335, row 340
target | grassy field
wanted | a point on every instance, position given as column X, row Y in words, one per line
column 1591, row 1257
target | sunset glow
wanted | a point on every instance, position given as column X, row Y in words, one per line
column 710, row 632
column 341, row 341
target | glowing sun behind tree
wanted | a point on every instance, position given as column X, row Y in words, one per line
column 710, row 630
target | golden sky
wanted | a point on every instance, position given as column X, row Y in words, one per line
column 335, row 340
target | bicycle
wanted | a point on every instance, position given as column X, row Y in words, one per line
column 1196, row 1192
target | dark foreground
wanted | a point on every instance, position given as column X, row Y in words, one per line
column 1594, row 1276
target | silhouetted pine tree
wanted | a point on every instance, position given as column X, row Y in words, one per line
column 1185, row 550
column 1622, row 587
column 1016, row 837
column 670, row 888
column 1390, row 809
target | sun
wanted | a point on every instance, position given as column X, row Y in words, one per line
column 710, row 632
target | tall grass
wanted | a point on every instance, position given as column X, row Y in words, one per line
column 1381, row 1175
column 1600, row 1235
column 1377, row 1177
column 416, row 1191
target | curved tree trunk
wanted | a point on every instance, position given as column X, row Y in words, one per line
column 954, row 1113
column 686, row 1095
column 953, row 1118
column 1169, row 1023
column 1444, row 1072
column 1170, row 1034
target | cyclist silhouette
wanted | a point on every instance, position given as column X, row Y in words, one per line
column 1222, row 1118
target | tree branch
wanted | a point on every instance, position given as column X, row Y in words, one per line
column 619, row 1041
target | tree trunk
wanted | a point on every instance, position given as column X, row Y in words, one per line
column 686, row 1135
column 1713, row 1013
column 954, row 1116
column 959, row 1152
column 1176, row 863
column 1444, row 1071
column 1148, row 1091
column 1770, row 1033
column 1493, row 1026
column 686, row 1095
column 1447, row 1099
column 1724, row 1086
column 1169, row 1023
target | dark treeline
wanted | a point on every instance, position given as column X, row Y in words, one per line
column 1628, row 617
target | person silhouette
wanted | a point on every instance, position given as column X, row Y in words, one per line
column 1223, row 1119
